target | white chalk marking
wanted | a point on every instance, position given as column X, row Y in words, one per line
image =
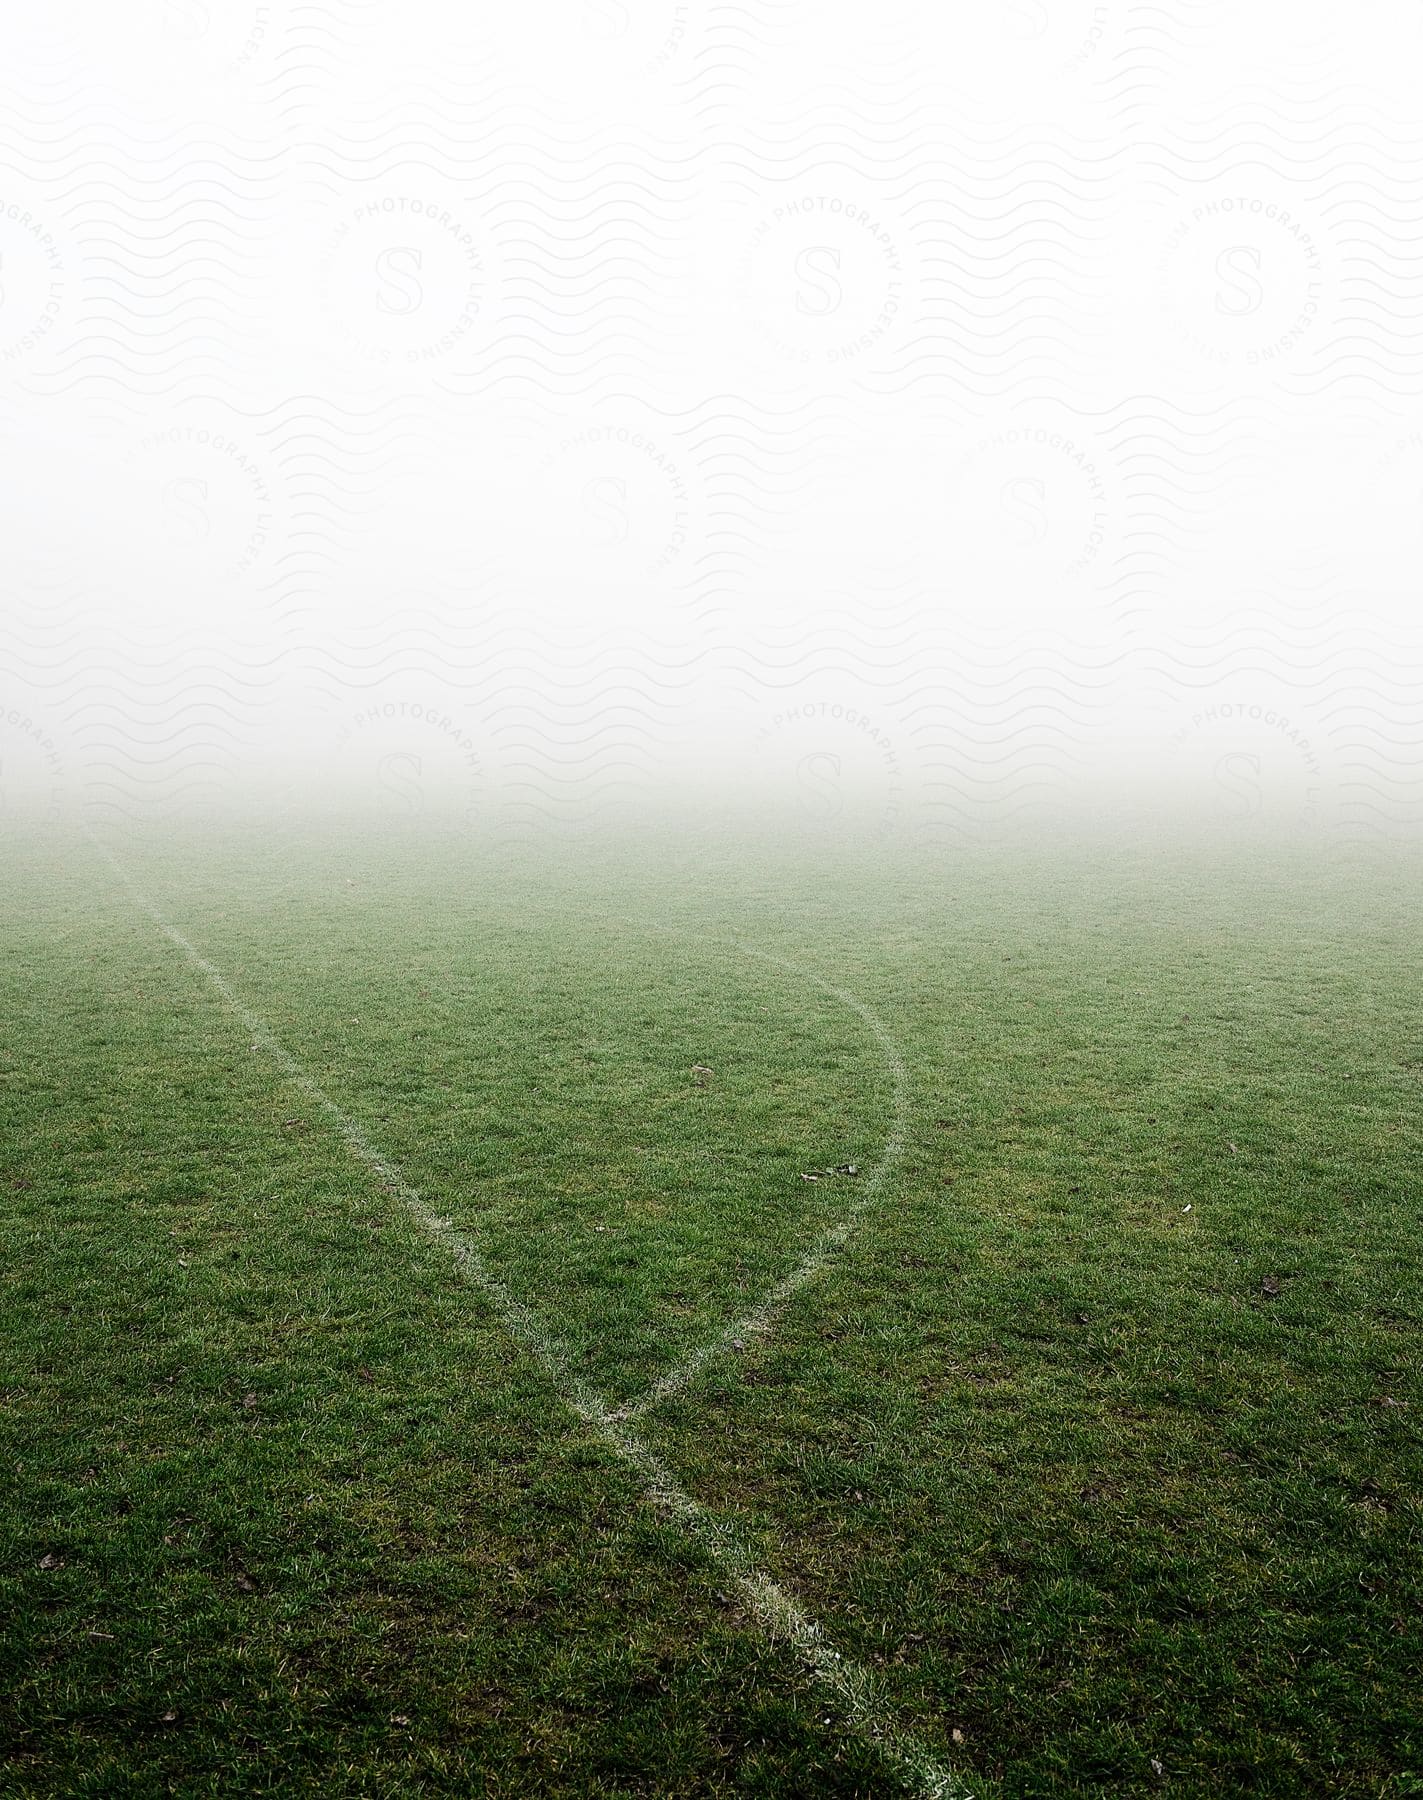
column 761, row 1317
column 780, row 1616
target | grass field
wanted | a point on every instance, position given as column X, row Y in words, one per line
column 416, row 1381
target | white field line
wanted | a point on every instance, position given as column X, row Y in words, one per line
column 759, row 1320
column 854, row 1688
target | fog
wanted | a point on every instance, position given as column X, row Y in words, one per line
column 908, row 424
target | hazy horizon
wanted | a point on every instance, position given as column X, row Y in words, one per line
column 910, row 428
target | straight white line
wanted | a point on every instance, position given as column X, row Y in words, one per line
column 780, row 1616
column 761, row 1317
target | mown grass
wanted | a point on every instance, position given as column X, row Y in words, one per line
column 1098, row 1443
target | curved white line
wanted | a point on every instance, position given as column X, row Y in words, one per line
column 779, row 1615
column 761, row 1317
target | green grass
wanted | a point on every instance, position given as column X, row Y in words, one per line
column 1097, row 1445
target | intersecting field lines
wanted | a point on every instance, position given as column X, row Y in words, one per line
column 858, row 1695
